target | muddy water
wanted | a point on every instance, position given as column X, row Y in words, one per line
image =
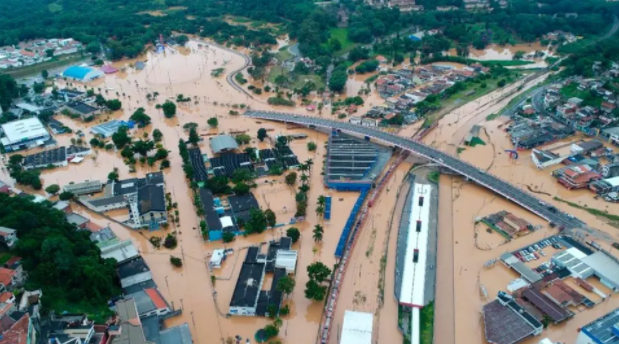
column 190, row 287
column 473, row 245
column 360, row 290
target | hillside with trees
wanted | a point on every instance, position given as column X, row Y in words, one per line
column 58, row 258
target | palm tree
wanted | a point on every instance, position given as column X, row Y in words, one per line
column 320, row 210
column 309, row 163
column 322, row 200
column 303, row 167
column 304, row 188
column 304, row 178
column 318, row 231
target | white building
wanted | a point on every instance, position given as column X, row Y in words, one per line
column 8, row 236
column 357, row 328
column 217, row 258
column 24, row 134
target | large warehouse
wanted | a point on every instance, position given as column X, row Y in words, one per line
column 24, row 134
column 602, row 330
column 223, row 143
column 80, row 73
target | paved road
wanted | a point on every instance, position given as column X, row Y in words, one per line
column 230, row 76
column 480, row 176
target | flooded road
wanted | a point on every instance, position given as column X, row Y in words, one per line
column 188, row 73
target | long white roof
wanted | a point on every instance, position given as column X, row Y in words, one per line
column 357, row 328
column 414, row 275
column 24, row 129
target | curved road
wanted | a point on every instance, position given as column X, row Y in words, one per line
column 500, row 186
column 230, row 76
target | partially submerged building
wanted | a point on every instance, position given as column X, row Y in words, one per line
column 357, row 328
column 249, row 299
column 24, row 134
column 145, row 198
column 506, row 322
column 602, row 330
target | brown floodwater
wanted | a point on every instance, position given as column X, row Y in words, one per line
column 472, row 245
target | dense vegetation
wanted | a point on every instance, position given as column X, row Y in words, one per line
column 58, row 258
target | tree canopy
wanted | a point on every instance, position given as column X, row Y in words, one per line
column 58, row 258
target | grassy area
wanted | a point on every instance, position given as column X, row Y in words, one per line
column 592, row 211
column 472, row 92
column 298, row 81
column 588, row 98
column 476, row 141
column 54, row 7
column 4, row 257
column 341, row 34
column 283, row 54
column 39, row 67
column 508, row 63
column 492, row 116
column 434, row 176
column 98, row 314
column 426, row 325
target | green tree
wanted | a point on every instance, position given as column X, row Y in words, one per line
column 270, row 217
column 182, row 39
column 194, row 138
column 311, row 146
column 169, row 109
column 318, row 232
column 502, row 83
column 176, row 262
column 291, row 178
column 271, row 331
column 242, row 139
column 113, row 176
column 241, row 189
column 320, row 210
column 338, row 79
column 142, row 147
column 113, row 104
column 140, row 117
column 227, row 237
column 52, row 189
column 219, row 185
column 61, row 261
column 44, row 73
column 66, row 195
column 213, row 122
column 322, row 200
column 170, row 241
column 165, row 163
column 293, row 233
column 157, row 135
column 256, row 223
column 161, row 154
column 38, row 87
column 286, row 285
column 262, row 134
column 318, row 272
column 315, row 291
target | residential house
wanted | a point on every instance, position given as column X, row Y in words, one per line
column 576, row 176
column 586, row 147
column 85, row 111
column 149, row 302
column 20, row 332
column 7, row 279
column 133, row 272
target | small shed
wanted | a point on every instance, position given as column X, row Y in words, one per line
column 217, row 258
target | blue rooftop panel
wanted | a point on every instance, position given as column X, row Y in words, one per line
column 76, row 72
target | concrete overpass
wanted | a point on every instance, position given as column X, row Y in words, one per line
column 480, row 176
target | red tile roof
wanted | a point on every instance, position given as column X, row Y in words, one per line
column 93, row 227
column 154, row 295
column 4, row 297
column 18, row 333
column 6, row 275
column 12, row 260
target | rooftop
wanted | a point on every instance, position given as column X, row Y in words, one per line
column 132, row 268
column 23, row 130
column 248, row 285
column 82, row 108
column 151, row 198
column 130, row 326
column 48, row 157
column 604, row 266
column 18, row 332
column 147, row 300
column 357, row 328
column 503, row 325
column 221, row 143
column 603, row 330
column 541, row 301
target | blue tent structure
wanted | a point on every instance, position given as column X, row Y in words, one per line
column 81, row 73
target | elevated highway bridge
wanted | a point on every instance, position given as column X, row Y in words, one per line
column 478, row 175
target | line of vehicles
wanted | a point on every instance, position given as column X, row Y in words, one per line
column 535, row 251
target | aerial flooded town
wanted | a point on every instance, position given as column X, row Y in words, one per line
column 353, row 172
